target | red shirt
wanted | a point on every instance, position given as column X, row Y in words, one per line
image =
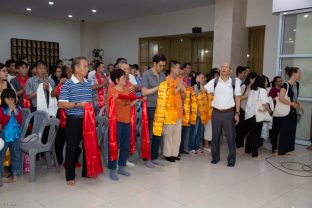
column 274, row 92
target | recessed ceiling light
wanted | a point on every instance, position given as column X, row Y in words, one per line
column 51, row 2
column 285, row 13
column 28, row 9
column 70, row 16
column 306, row 16
column 295, row 30
column 94, row 10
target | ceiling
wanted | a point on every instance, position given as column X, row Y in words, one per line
column 107, row 10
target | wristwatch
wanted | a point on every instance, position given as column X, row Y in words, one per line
column 237, row 113
column 76, row 105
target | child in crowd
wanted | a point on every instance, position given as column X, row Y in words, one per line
column 118, row 76
column 10, row 121
column 196, row 130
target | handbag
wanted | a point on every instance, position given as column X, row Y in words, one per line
column 282, row 109
column 260, row 114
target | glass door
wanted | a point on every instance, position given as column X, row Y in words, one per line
column 295, row 49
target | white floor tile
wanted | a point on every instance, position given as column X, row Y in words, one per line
column 146, row 199
column 189, row 183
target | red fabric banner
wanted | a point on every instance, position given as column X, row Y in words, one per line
column 62, row 112
column 90, row 142
column 112, row 123
column 132, row 129
column 101, row 100
column 22, row 82
column 145, row 140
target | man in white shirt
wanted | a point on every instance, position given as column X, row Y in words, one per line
column 225, row 115
column 241, row 75
column 91, row 73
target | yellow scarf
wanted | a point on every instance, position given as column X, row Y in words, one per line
column 160, row 109
column 203, row 106
column 210, row 99
column 187, row 107
column 194, row 106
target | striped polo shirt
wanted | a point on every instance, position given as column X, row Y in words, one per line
column 76, row 92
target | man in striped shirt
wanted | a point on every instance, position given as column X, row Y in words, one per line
column 74, row 94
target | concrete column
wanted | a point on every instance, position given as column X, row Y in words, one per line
column 230, row 33
column 89, row 39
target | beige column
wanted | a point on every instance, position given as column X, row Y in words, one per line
column 89, row 39
column 230, row 33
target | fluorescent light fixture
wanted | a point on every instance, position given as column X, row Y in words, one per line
column 285, row 13
column 306, row 16
column 70, row 16
column 51, row 2
column 93, row 10
column 28, row 9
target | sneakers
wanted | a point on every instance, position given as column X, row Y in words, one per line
column 130, row 164
column 149, row 164
column 158, row 162
column 199, row 151
column 122, row 171
column 192, row 152
column 113, row 175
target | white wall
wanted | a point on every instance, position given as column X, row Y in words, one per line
column 286, row 5
column 260, row 13
column 12, row 25
column 121, row 39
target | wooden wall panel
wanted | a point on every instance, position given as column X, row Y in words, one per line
column 183, row 48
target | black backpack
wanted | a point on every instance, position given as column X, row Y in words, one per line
column 217, row 80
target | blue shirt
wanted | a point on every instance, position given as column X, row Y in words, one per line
column 76, row 92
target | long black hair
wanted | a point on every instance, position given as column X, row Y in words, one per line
column 212, row 74
column 7, row 93
column 275, row 79
column 251, row 75
column 268, row 81
column 259, row 82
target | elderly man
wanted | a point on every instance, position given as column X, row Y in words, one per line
column 225, row 113
column 74, row 94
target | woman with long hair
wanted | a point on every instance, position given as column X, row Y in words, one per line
column 257, row 93
column 288, row 123
column 241, row 128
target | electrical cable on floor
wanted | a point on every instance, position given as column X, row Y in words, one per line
column 305, row 168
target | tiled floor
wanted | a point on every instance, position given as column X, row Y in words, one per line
column 190, row 183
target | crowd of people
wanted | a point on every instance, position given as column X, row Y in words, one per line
column 188, row 112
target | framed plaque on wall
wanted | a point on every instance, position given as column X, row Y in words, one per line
column 34, row 50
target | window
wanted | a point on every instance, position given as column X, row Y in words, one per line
column 295, row 49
